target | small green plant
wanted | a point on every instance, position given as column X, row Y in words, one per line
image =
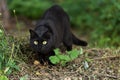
column 3, row 77
column 7, row 63
column 64, row 58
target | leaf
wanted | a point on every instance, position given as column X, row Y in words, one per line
column 2, row 77
column 85, row 63
column 8, row 72
column 0, row 65
column 36, row 62
column 38, row 73
column 67, row 78
column 24, row 77
column 74, row 54
column 17, row 67
column 88, row 60
column 6, row 69
column 81, row 51
column 54, row 59
column 1, row 33
column 63, row 63
column 64, row 57
column 57, row 51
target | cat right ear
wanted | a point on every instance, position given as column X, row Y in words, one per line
column 32, row 33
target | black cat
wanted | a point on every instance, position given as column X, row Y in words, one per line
column 52, row 30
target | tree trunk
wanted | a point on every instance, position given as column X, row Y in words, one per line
column 4, row 14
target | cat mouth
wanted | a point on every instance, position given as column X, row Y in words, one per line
column 45, row 50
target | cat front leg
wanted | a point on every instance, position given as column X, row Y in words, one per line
column 67, row 41
column 45, row 57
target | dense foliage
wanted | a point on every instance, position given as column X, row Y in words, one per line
column 100, row 19
column 32, row 9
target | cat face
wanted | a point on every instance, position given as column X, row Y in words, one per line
column 40, row 43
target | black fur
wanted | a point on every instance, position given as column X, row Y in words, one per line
column 54, row 27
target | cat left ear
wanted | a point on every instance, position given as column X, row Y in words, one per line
column 32, row 33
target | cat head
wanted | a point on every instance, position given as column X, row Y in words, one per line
column 40, row 43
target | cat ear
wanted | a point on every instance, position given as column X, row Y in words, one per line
column 33, row 34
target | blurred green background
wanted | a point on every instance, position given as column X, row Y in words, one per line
column 99, row 20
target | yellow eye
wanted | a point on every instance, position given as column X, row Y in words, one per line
column 36, row 42
column 44, row 42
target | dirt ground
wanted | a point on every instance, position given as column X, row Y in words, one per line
column 103, row 64
column 93, row 64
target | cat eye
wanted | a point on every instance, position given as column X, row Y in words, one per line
column 44, row 42
column 36, row 42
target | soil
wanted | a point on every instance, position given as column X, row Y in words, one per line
column 103, row 64
column 93, row 64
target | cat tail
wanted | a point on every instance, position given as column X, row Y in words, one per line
column 77, row 41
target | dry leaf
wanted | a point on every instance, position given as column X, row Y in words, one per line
column 67, row 78
column 36, row 62
column 37, row 73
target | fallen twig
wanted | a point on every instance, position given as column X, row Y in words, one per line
column 106, row 75
column 108, row 57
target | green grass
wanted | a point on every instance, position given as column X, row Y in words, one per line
column 7, row 54
column 3, row 77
